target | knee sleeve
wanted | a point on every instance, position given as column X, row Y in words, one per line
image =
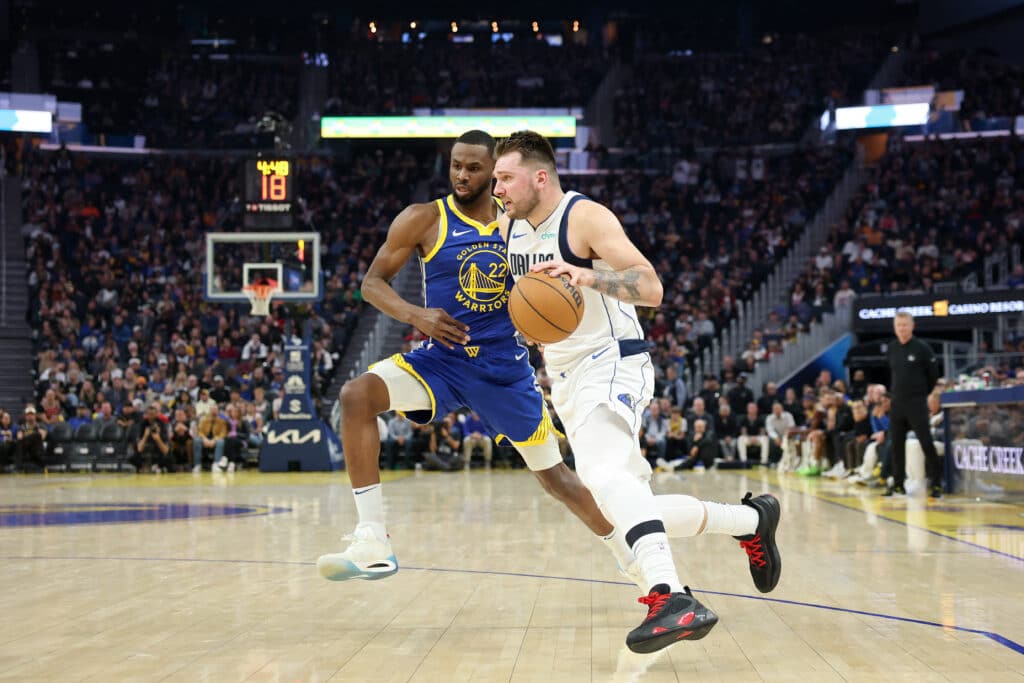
column 542, row 456
column 684, row 516
column 405, row 392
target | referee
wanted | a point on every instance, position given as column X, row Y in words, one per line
column 914, row 373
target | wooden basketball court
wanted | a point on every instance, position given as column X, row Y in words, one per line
column 212, row 578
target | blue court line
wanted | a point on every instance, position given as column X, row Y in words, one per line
column 919, row 528
column 1002, row 640
column 887, row 519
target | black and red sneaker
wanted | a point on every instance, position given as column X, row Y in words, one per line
column 765, row 562
column 670, row 617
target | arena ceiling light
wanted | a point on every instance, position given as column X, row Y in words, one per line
column 443, row 127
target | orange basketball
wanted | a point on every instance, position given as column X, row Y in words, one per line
column 545, row 309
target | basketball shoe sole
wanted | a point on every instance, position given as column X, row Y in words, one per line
column 366, row 558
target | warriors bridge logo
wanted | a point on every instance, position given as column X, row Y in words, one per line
column 483, row 278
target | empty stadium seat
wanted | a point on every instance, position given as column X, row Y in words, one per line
column 59, row 444
column 113, row 448
column 84, row 448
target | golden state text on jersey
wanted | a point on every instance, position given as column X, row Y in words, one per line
column 466, row 273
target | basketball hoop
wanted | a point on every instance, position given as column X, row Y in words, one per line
column 259, row 294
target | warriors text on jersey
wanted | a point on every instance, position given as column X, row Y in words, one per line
column 604, row 319
column 466, row 274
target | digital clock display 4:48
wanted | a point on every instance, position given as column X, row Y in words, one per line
column 268, row 192
column 275, row 179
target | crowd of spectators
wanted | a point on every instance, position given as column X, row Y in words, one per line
column 830, row 428
column 180, row 78
column 992, row 87
column 174, row 98
column 769, row 93
column 115, row 258
column 395, row 78
column 930, row 213
column 715, row 232
column 115, row 248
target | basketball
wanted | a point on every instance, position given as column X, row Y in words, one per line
column 545, row 309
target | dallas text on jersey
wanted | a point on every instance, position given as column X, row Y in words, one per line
column 520, row 263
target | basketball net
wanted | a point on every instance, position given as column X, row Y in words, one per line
column 260, row 294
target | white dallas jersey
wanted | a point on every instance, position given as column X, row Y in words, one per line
column 605, row 320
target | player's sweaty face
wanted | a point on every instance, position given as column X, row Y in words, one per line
column 514, row 186
column 470, row 172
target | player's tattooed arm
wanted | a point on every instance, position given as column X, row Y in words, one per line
column 637, row 284
column 623, row 285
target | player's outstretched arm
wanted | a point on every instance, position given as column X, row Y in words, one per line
column 594, row 229
column 410, row 229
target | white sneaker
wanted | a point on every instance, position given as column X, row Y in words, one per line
column 198, row 469
column 915, row 487
column 231, row 467
column 665, row 465
column 837, row 471
column 633, row 573
column 367, row 557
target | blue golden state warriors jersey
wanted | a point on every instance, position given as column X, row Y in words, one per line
column 466, row 273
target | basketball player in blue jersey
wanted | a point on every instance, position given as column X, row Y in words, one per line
column 472, row 358
column 602, row 379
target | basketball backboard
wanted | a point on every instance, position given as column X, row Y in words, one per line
column 237, row 259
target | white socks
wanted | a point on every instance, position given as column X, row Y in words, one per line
column 655, row 561
column 370, row 506
column 616, row 543
column 734, row 520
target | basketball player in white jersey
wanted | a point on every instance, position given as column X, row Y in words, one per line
column 495, row 379
column 602, row 379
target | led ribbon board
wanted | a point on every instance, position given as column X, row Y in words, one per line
column 26, row 121
column 878, row 116
column 366, row 127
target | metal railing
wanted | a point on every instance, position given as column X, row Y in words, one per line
column 998, row 267
column 958, row 357
column 3, row 240
column 794, row 356
column 806, row 348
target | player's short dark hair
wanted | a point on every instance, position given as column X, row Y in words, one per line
column 533, row 147
column 478, row 137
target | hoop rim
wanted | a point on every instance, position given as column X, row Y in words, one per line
column 259, row 291
column 260, row 295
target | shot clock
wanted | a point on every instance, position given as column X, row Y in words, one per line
column 268, row 193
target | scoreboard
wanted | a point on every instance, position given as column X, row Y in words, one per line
column 269, row 192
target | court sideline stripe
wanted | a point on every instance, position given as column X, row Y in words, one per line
column 896, row 521
column 1000, row 639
